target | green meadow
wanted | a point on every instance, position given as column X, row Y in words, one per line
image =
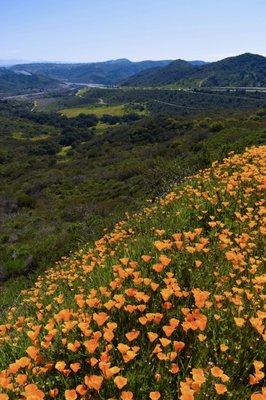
column 99, row 111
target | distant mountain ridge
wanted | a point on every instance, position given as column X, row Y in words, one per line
column 10, row 62
column 106, row 72
column 198, row 62
column 243, row 70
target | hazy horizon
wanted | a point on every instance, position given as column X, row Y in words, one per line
column 90, row 31
column 109, row 60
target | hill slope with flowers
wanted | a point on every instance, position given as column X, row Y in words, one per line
column 170, row 305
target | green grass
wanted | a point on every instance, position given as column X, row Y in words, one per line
column 99, row 111
column 101, row 128
column 64, row 151
column 17, row 135
column 81, row 92
column 39, row 138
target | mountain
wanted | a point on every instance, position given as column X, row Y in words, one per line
column 21, row 80
column 107, row 72
column 198, row 62
column 10, row 62
column 243, row 70
column 172, row 72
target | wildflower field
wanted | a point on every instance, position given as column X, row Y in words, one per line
column 169, row 305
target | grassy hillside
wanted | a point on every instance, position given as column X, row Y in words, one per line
column 167, row 306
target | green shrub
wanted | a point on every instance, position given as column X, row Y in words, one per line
column 216, row 126
column 25, row 200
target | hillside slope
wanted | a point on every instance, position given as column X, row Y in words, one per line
column 243, row 70
column 167, row 306
column 173, row 72
column 12, row 82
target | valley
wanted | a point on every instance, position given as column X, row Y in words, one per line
column 86, row 158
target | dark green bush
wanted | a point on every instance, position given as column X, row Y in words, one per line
column 25, row 200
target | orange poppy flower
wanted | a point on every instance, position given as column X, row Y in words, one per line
column 177, row 236
column 75, row 367
column 132, row 335
column 91, row 345
column 259, row 396
column 220, row 388
column 123, row 348
column 166, row 244
column 154, row 286
column 152, row 336
column 126, row 396
column 166, row 293
column 179, row 345
column 165, row 342
column 100, row 318
column 159, row 267
column 120, row 381
column 223, row 347
column 93, row 381
column 124, row 260
column 60, row 365
column 146, row 258
column 202, row 337
column 164, row 260
column 112, row 371
column 198, row 375
column 108, row 335
column 53, row 392
column 174, row 368
column 73, row 346
column 71, row 394
column 154, row 395
column 186, row 392
column 33, row 393
column 200, row 297
column 258, row 365
column 216, row 372
column 32, row 352
column 23, row 362
column 159, row 232
column 168, row 330
column 81, row 389
column 21, row 379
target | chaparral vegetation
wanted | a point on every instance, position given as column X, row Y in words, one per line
column 169, row 305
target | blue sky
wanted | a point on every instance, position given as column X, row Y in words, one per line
column 91, row 30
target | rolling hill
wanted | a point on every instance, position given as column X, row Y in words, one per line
column 243, row 70
column 169, row 305
column 108, row 72
column 173, row 72
column 21, row 80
